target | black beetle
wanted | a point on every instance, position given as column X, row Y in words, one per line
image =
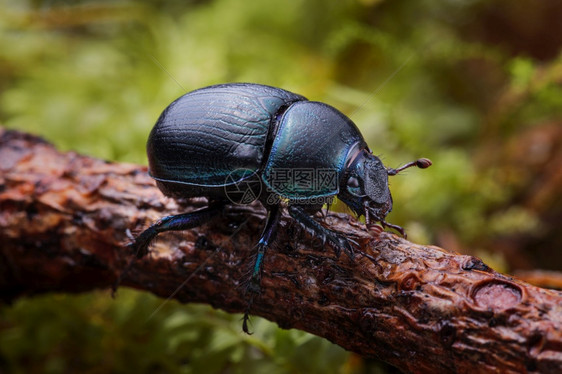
column 230, row 140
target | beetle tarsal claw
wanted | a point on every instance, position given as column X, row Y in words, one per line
column 245, row 321
column 129, row 235
column 246, row 318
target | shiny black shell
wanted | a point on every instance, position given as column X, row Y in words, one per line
column 223, row 134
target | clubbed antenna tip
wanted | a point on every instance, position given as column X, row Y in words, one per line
column 422, row 163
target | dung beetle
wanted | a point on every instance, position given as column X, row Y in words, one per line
column 232, row 141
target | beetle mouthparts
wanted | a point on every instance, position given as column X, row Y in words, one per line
column 421, row 163
column 375, row 214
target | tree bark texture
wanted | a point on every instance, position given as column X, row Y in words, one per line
column 63, row 224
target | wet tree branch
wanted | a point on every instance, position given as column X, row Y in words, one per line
column 63, row 223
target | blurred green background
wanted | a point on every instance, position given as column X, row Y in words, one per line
column 476, row 86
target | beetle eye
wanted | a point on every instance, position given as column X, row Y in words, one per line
column 353, row 182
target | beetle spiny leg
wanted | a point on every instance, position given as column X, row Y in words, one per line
column 317, row 230
column 337, row 251
column 353, row 241
column 139, row 245
column 267, row 236
column 348, row 248
column 395, row 227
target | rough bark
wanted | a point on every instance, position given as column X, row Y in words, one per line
column 63, row 223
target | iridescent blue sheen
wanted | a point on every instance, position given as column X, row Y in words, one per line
column 313, row 138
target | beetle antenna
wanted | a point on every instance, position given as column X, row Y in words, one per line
column 422, row 163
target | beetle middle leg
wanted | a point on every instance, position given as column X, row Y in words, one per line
column 267, row 236
column 304, row 219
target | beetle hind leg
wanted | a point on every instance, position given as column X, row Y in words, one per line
column 316, row 229
column 177, row 222
column 267, row 236
column 139, row 246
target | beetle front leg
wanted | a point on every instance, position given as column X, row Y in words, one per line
column 267, row 236
column 316, row 229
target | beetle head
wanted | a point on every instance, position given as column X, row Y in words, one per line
column 366, row 189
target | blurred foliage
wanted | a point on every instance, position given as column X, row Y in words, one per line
column 88, row 334
column 474, row 85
